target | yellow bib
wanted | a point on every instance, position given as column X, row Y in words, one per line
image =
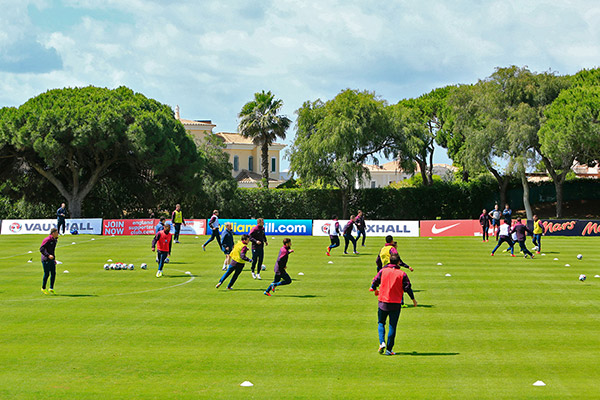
column 537, row 228
column 384, row 255
column 236, row 253
column 178, row 217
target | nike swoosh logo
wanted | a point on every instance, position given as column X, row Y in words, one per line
column 435, row 230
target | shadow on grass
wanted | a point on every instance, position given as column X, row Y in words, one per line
column 417, row 354
column 73, row 295
column 243, row 290
column 408, row 306
column 299, row 296
column 180, row 276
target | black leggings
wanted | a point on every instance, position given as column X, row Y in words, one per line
column 49, row 271
column 215, row 235
column 349, row 238
column 258, row 256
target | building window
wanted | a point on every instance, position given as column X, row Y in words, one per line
column 236, row 163
column 273, row 164
column 373, row 184
column 251, row 163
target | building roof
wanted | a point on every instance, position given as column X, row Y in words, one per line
column 236, row 138
column 206, row 123
column 392, row 166
column 246, row 176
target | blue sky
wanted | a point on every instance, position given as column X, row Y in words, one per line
column 210, row 57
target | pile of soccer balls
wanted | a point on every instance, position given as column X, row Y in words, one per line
column 123, row 266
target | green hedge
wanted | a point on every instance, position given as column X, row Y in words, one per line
column 443, row 200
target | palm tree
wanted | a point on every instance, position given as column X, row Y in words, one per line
column 259, row 120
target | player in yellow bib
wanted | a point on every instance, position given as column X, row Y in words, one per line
column 537, row 234
column 177, row 220
column 386, row 251
column 238, row 260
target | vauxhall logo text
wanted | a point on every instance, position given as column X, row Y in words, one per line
column 387, row 228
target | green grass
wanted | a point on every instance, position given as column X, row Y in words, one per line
column 489, row 331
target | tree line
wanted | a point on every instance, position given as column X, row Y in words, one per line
column 523, row 119
column 126, row 154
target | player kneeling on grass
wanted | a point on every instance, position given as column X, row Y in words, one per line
column 238, row 259
column 48, row 260
column 281, row 275
column 389, row 285
column 163, row 240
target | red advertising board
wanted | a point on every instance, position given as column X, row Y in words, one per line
column 450, row 227
column 119, row 227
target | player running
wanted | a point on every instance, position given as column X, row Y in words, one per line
column 163, row 241
column 390, row 247
column 389, row 285
column 504, row 233
column 334, row 234
column 521, row 231
column 348, row 235
column 227, row 244
column 49, row 260
column 213, row 223
column 238, row 259
column 281, row 275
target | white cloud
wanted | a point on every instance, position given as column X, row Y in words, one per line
column 210, row 57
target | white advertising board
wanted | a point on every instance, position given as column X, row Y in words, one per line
column 373, row 228
column 91, row 226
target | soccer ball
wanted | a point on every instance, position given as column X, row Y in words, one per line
column 117, row 266
column 579, row 256
column 106, row 267
column 167, row 260
column 131, row 267
column 582, row 277
column 112, row 266
column 536, row 248
column 143, row 266
column 264, row 267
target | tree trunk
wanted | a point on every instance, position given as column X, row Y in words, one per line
column 465, row 175
column 558, row 187
column 76, row 194
column 430, row 171
column 526, row 202
column 264, row 150
column 502, row 184
column 74, row 204
column 558, row 181
column 345, row 198
column 423, row 168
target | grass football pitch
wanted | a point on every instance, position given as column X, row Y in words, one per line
column 489, row 330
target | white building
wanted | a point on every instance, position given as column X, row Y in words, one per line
column 383, row 175
column 244, row 155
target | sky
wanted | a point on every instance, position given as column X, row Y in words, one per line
column 210, row 57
